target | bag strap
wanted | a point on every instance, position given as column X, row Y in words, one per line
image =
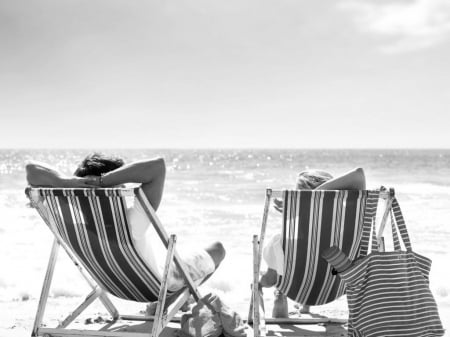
column 395, row 238
column 369, row 217
column 400, row 222
column 397, row 221
column 375, row 245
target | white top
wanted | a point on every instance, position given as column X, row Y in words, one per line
column 273, row 254
column 145, row 238
column 149, row 246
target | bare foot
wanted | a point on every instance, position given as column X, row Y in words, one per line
column 304, row 309
column 280, row 306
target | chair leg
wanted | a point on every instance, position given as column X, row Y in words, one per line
column 158, row 323
column 250, row 309
column 262, row 235
column 176, row 306
column 89, row 299
column 45, row 288
column 103, row 297
column 257, row 252
column 259, row 326
column 257, row 301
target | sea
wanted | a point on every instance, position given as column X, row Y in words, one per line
column 218, row 195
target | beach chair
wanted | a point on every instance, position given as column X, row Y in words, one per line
column 312, row 221
column 92, row 227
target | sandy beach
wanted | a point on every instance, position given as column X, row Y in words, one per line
column 17, row 318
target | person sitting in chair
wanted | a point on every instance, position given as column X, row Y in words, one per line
column 99, row 170
column 273, row 251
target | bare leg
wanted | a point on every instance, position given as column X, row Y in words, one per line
column 217, row 253
column 280, row 307
column 269, row 278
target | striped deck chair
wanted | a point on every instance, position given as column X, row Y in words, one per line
column 91, row 225
column 312, row 221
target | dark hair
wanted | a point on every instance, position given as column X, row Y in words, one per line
column 96, row 164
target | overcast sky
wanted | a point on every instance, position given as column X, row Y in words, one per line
column 231, row 73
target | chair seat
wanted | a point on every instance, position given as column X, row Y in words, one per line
column 312, row 222
column 92, row 226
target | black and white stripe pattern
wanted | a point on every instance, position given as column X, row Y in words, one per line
column 94, row 226
column 312, row 222
column 369, row 217
column 388, row 292
column 388, row 295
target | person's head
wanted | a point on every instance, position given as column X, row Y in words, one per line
column 311, row 179
column 96, row 164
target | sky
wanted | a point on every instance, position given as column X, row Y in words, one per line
column 224, row 74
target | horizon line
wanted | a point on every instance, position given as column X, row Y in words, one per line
column 223, row 148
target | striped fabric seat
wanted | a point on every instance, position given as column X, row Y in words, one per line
column 312, row 222
column 94, row 225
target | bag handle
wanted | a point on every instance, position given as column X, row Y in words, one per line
column 395, row 238
column 400, row 222
column 369, row 236
column 378, row 242
column 397, row 221
column 375, row 241
column 369, row 216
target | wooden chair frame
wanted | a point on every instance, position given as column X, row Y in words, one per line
column 160, row 319
column 256, row 314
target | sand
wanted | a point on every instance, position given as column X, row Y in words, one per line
column 18, row 316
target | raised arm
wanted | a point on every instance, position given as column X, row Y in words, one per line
column 43, row 175
column 150, row 173
column 352, row 180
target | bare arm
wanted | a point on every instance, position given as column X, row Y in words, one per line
column 43, row 175
column 150, row 173
column 352, row 180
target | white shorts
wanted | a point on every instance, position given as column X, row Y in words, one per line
column 148, row 244
column 199, row 264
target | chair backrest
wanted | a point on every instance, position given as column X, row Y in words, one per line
column 312, row 222
column 93, row 225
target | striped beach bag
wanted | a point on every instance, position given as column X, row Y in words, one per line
column 388, row 292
